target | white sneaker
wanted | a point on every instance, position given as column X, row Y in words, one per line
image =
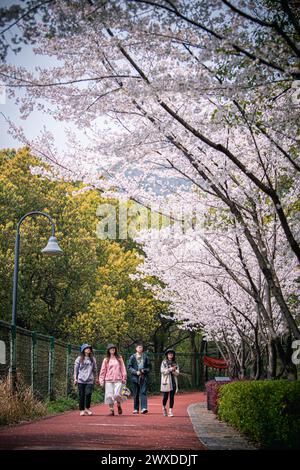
column 88, row 412
column 165, row 411
column 144, row 411
column 170, row 413
column 135, row 412
column 82, row 413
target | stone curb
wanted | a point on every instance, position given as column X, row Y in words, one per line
column 215, row 434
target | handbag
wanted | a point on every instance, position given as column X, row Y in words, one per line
column 122, row 392
column 125, row 392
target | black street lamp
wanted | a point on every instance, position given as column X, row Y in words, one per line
column 52, row 248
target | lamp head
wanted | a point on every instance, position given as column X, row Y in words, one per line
column 52, row 247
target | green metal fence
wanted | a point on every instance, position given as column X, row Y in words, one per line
column 46, row 364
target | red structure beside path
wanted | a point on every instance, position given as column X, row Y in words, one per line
column 215, row 363
column 152, row 431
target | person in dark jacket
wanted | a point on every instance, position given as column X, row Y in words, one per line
column 139, row 368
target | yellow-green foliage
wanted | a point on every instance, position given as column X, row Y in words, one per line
column 121, row 307
column 49, row 287
column 85, row 294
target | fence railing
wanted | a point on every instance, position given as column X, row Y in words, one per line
column 46, row 364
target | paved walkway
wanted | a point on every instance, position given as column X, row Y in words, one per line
column 215, row 434
column 192, row 428
column 102, row 432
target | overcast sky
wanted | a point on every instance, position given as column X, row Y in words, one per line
column 36, row 120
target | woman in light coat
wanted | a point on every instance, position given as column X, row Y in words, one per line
column 169, row 384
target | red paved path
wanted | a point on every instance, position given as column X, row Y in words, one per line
column 102, row 432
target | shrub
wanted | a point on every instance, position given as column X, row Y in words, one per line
column 212, row 388
column 61, row 404
column 98, row 395
column 18, row 406
column 268, row 412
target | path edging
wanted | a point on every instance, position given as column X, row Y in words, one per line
column 215, row 434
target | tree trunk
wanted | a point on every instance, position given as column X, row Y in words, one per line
column 288, row 369
column 272, row 360
column 258, row 357
column 193, row 357
column 201, row 364
column 242, row 367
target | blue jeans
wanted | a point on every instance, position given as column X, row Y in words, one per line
column 139, row 390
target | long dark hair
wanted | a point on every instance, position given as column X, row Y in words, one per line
column 117, row 355
column 83, row 356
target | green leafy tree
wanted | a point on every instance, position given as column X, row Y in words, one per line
column 50, row 288
column 122, row 310
column 85, row 294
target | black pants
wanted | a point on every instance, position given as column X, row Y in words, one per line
column 85, row 395
column 166, row 396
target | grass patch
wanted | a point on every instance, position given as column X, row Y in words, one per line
column 71, row 402
column 24, row 406
column 60, row 405
column 19, row 406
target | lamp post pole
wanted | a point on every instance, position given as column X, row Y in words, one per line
column 52, row 248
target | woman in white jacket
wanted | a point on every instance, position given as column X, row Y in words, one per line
column 169, row 384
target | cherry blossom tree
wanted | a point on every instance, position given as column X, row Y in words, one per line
column 213, row 282
column 189, row 103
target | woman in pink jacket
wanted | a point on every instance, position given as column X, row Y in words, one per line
column 112, row 373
